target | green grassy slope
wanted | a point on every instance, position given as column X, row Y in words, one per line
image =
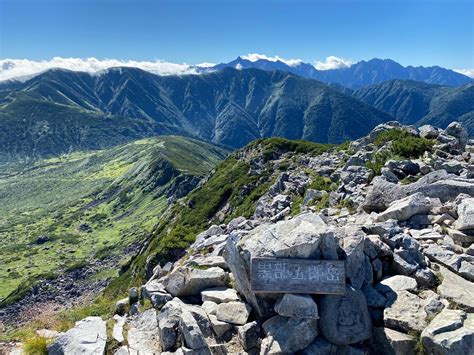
column 116, row 195
column 231, row 191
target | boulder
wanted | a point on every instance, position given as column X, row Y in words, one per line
column 398, row 283
column 208, row 261
column 353, row 245
column 465, row 211
column 457, row 289
column 87, row 337
column 143, row 334
column 458, row 131
column 249, row 336
column 405, row 208
column 450, row 332
column 345, row 319
column 168, row 323
column 133, row 295
column 406, row 313
column 428, row 131
column 193, row 337
column 121, row 306
column 117, row 331
column 437, row 184
column 304, row 236
column 297, row 306
column 159, row 299
column 219, row 295
column 288, row 335
column 233, row 312
column 186, row 281
column 391, row 342
column 209, row 307
column 374, row 298
column 219, row 328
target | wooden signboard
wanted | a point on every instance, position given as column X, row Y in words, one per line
column 297, row 276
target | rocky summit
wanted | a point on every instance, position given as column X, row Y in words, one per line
column 395, row 207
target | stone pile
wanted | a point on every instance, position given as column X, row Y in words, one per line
column 407, row 249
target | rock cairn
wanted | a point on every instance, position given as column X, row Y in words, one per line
column 407, row 248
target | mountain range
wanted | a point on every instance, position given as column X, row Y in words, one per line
column 411, row 102
column 357, row 75
column 61, row 111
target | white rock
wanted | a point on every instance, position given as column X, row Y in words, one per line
column 450, row 332
column 219, row 295
column 87, row 337
column 233, row 312
column 405, row 208
column 400, row 283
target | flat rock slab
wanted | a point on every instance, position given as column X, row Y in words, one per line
column 297, row 276
column 406, row 313
column 87, row 337
column 297, row 306
column 220, row 295
column 404, row 209
column 143, row 334
column 233, row 312
column 450, row 332
column 187, row 281
column 457, row 289
column 288, row 335
column 391, row 342
column 398, row 283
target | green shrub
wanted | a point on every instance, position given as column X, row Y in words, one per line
column 404, row 145
column 322, row 183
column 36, row 346
column 411, row 147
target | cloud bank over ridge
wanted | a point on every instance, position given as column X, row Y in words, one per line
column 15, row 68
column 25, row 68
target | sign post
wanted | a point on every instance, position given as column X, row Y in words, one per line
column 297, row 276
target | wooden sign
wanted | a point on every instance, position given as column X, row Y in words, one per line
column 298, row 276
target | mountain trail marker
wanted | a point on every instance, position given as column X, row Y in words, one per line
column 297, row 276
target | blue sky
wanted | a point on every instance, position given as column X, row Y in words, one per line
column 410, row 32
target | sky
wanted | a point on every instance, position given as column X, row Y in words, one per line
column 416, row 32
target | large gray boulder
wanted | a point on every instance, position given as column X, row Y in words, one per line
column 304, row 236
column 405, row 208
column 465, row 211
column 297, row 306
column 233, row 312
column 187, row 281
column 391, row 342
column 288, row 335
column 406, row 313
column 457, row 130
column 457, row 289
column 219, row 295
column 354, row 245
column 193, row 336
column 450, row 332
column 249, row 336
column 87, row 337
column 437, row 184
column 168, row 323
column 345, row 319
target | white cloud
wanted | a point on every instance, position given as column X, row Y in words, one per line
column 253, row 57
column 332, row 62
column 13, row 68
column 205, row 65
column 467, row 72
